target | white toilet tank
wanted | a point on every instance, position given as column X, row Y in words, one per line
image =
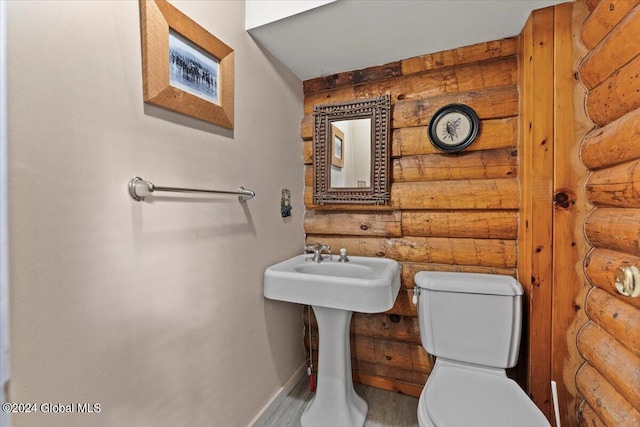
column 470, row 317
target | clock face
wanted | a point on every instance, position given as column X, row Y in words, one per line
column 453, row 128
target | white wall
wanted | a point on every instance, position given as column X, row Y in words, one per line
column 261, row 12
column 153, row 309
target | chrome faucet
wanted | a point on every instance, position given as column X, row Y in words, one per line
column 317, row 250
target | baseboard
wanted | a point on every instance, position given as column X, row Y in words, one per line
column 277, row 398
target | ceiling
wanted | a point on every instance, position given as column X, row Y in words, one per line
column 349, row 35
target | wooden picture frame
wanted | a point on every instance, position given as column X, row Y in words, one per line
column 337, row 147
column 184, row 67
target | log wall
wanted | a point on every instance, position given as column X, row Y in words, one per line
column 609, row 380
column 455, row 212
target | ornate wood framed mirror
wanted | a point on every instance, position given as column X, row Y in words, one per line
column 351, row 151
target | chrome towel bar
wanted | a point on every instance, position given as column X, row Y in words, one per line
column 137, row 184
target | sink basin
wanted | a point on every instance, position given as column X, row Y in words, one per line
column 364, row 284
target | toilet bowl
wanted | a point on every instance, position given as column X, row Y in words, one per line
column 471, row 323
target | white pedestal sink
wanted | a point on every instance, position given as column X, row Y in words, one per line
column 335, row 290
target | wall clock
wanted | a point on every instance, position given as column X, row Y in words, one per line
column 453, row 128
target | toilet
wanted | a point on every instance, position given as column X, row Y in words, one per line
column 471, row 323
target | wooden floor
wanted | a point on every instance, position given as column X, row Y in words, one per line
column 385, row 408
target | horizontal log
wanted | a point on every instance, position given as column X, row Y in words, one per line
column 381, row 372
column 410, row 141
column 461, row 194
column 385, row 383
column 309, row 204
column 497, row 133
column 616, row 96
column 606, row 15
column 410, row 269
column 617, row 142
column 380, row 325
column 397, row 354
column 466, row 78
column 468, row 223
column 619, row 366
column 472, row 77
column 502, row 163
column 614, row 229
column 307, row 152
column 308, row 175
column 586, row 416
column 592, row 4
column 600, row 268
column 463, row 55
column 620, row 46
column 613, row 409
column 478, row 252
column 306, row 127
column 376, row 369
column 617, row 318
column 488, row 104
column 349, row 78
column 359, row 224
column 403, row 305
column 617, row 186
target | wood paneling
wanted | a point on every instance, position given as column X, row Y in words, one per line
column 455, row 212
column 610, row 342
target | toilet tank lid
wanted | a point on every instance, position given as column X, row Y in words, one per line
column 468, row 283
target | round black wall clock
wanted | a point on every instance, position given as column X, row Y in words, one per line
column 453, row 128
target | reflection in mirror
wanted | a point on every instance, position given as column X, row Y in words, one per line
column 351, row 152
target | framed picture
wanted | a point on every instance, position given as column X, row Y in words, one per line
column 184, row 67
column 337, row 147
column 453, row 128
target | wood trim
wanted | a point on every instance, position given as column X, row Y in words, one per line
column 535, row 261
column 570, row 209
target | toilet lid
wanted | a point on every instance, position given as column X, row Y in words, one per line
column 466, row 397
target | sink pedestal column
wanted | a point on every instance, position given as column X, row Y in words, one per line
column 335, row 402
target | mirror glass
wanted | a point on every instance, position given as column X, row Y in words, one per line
column 351, row 152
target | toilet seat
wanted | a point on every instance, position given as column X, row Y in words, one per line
column 458, row 395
